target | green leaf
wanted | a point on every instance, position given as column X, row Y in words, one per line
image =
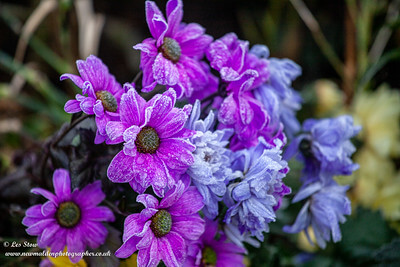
column 389, row 253
column 363, row 233
column 373, row 69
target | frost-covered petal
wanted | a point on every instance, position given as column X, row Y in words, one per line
column 174, row 15
column 118, row 172
column 156, row 21
column 189, row 227
column 190, row 202
column 164, row 71
column 72, row 106
column 174, row 249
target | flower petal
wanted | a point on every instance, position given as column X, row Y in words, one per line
column 38, row 227
column 34, row 211
column 189, row 227
column 115, row 131
column 90, row 196
column 47, row 194
column 87, row 105
column 48, row 208
column 156, row 22
column 164, row 71
column 59, row 242
column 95, row 233
column 121, row 168
column 190, row 203
column 99, row 214
column 174, row 16
column 173, row 251
column 176, row 153
column 49, row 233
column 75, row 245
column 148, row 201
column 128, row 248
column 62, row 184
column 131, row 107
column 74, row 78
column 161, row 107
column 72, row 106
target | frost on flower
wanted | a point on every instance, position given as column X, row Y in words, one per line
column 213, row 250
column 173, row 56
column 103, row 94
column 71, row 219
column 241, row 73
column 325, row 148
column 277, row 95
column 156, row 146
column 163, row 229
column 253, row 200
column 211, row 168
column 323, row 211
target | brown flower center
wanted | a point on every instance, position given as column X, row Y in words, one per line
column 161, row 223
column 209, row 257
column 108, row 100
column 147, row 140
column 68, row 214
column 171, row 49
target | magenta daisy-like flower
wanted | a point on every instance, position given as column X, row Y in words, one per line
column 209, row 250
column 70, row 219
column 162, row 230
column 103, row 94
column 242, row 72
column 172, row 57
column 156, row 146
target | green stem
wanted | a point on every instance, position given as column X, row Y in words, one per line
column 312, row 24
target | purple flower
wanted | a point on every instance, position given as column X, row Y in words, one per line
column 253, row 200
column 211, row 170
column 277, row 95
column 156, row 146
column 233, row 233
column 241, row 73
column 68, row 219
column 325, row 148
column 103, row 94
column 212, row 251
column 163, row 229
column 323, row 211
column 172, row 57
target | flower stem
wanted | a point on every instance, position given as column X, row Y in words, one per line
column 137, row 77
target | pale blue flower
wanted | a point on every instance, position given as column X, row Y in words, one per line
column 211, row 168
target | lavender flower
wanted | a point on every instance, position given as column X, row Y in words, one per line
column 156, row 146
column 172, row 57
column 323, row 211
column 242, row 73
column 233, row 233
column 277, row 95
column 210, row 251
column 325, row 148
column 68, row 219
column 211, row 168
column 103, row 94
column 253, row 201
column 163, row 229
